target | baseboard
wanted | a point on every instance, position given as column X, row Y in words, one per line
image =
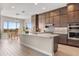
column 50, row 54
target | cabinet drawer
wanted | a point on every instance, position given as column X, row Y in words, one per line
column 63, row 39
column 73, row 42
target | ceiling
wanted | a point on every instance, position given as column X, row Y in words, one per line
column 25, row 10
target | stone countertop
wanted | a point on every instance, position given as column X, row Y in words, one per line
column 47, row 35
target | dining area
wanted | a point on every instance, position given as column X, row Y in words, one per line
column 12, row 34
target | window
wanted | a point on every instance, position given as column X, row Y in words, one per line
column 5, row 25
column 11, row 25
column 29, row 25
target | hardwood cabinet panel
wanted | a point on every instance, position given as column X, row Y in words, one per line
column 47, row 20
column 77, row 6
column 72, row 7
column 63, row 11
column 51, row 14
column 56, row 12
column 63, row 20
column 62, row 39
column 51, row 20
column 73, row 42
column 47, row 14
column 71, row 16
column 56, row 21
column 41, row 22
column 33, row 21
column 35, row 25
column 76, row 16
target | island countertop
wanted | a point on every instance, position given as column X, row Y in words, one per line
column 47, row 35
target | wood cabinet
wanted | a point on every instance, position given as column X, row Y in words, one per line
column 63, row 11
column 63, row 20
column 76, row 16
column 56, row 12
column 33, row 19
column 62, row 39
column 73, row 42
column 59, row 17
column 35, row 25
column 56, row 21
column 71, row 16
column 41, row 22
column 47, row 18
column 51, row 20
column 72, row 7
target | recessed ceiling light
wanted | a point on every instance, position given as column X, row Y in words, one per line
column 23, row 11
column 44, row 8
column 17, row 14
column 12, row 6
column 36, row 3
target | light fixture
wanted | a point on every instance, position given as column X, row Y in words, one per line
column 36, row 3
column 43, row 8
column 12, row 6
column 71, row 8
column 23, row 11
column 17, row 14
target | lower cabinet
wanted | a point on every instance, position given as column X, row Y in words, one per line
column 62, row 39
column 73, row 42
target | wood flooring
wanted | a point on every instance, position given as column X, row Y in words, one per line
column 14, row 48
column 10, row 47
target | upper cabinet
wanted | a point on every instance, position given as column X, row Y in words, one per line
column 64, row 20
column 73, row 7
column 35, row 24
column 47, row 16
column 59, row 17
column 73, row 12
column 56, row 21
column 41, row 22
column 63, row 10
column 56, row 12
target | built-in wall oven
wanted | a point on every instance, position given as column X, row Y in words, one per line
column 73, row 31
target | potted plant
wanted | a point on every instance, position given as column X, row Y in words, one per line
column 25, row 29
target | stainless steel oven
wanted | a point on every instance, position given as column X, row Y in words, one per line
column 73, row 31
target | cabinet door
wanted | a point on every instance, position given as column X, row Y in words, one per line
column 71, row 16
column 56, row 21
column 51, row 20
column 76, row 16
column 63, row 20
column 47, row 16
column 47, row 20
column 63, row 39
column 73, row 42
column 63, row 11
column 33, row 19
column 41, row 22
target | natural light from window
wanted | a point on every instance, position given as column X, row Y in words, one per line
column 11, row 25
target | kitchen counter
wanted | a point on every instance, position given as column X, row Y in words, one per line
column 47, row 35
column 42, row 42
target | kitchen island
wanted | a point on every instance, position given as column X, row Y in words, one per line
column 43, row 42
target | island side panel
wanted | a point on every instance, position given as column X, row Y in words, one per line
column 41, row 44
